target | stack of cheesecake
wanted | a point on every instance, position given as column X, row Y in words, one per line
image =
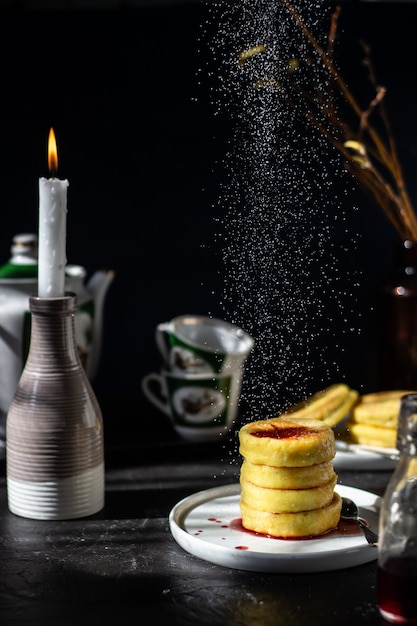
column 373, row 421
column 287, row 477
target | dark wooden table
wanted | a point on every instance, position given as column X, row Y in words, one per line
column 123, row 564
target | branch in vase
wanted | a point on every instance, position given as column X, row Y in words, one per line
column 370, row 156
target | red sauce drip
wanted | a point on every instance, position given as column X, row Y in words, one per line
column 282, row 433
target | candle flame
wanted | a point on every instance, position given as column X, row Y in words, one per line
column 52, row 153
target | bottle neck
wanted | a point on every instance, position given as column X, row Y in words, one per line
column 53, row 340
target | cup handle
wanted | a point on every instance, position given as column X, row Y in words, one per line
column 152, row 397
column 161, row 335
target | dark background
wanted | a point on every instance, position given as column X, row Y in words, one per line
column 125, row 87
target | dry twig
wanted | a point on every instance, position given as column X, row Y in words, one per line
column 372, row 158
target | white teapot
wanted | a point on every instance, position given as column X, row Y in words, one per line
column 18, row 280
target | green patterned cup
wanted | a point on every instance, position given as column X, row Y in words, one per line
column 201, row 406
column 196, row 344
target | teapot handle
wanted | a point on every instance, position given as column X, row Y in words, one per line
column 97, row 286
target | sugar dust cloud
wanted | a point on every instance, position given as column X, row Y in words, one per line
column 282, row 213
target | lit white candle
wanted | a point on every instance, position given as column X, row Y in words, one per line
column 52, row 229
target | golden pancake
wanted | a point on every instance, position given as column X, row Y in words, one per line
column 287, row 500
column 370, row 435
column 287, row 477
column 379, row 409
column 286, row 525
column 331, row 404
column 383, row 396
column 287, row 442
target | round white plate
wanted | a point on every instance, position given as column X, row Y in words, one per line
column 353, row 458
column 207, row 525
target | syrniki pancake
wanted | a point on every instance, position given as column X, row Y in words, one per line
column 330, row 405
column 303, row 524
column 287, row 442
column 379, row 409
column 287, row 500
column 374, row 419
column 369, row 435
column 287, row 477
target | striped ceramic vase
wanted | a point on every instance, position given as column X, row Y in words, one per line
column 54, row 427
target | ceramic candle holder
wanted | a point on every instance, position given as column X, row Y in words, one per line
column 54, row 427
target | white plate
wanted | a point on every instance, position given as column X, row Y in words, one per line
column 207, row 525
column 354, row 458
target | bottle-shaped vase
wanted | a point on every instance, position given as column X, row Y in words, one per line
column 54, row 426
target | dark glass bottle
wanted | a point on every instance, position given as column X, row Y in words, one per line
column 397, row 324
column 397, row 546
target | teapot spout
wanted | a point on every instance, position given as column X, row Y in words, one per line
column 97, row 286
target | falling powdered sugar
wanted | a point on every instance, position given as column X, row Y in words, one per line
column 282, row 212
